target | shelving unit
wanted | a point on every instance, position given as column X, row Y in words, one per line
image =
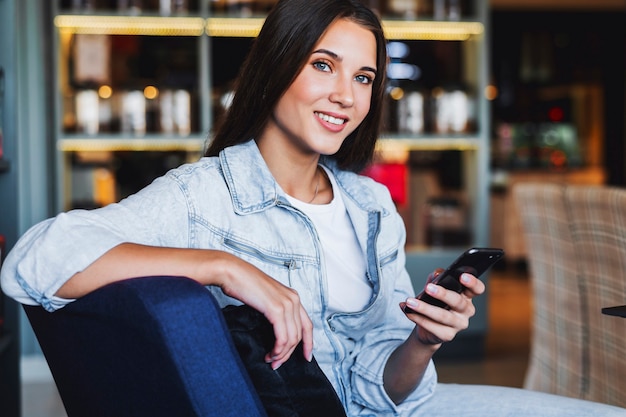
column 470, row 34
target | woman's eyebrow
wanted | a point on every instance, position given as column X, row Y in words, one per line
column 340, row 58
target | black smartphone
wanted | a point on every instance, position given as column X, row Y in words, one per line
column 476, row 261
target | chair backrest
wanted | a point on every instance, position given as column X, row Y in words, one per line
column 576, row 240
column 599, row 229
column 145, row 347
column 555, row 363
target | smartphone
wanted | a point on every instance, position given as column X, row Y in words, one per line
column 476, row 261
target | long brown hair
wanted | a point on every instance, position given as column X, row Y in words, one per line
column 289, row 34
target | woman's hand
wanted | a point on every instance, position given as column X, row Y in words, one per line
column 237, row 278
column 436, row 325
column 277, row 302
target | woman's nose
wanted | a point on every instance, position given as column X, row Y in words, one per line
column 342, row 93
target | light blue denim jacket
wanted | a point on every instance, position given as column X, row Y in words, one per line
column 232, row 203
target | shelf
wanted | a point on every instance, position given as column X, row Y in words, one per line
column 245, row 27
column 429, row 142
column 431, row 30
column 394, row 29
column 130, row 25
column 131, row 143
column 234, row 27
column 197, row 144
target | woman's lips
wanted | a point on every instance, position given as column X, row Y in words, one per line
column 330, row 122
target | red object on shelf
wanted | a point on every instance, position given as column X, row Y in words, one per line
column 392, row 175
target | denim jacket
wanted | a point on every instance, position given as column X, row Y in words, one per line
column 232, row 203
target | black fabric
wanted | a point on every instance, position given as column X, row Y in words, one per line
column 298, row 388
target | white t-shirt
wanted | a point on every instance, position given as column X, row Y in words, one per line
column 348, row 287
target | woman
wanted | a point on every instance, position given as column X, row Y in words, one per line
column 276, row 217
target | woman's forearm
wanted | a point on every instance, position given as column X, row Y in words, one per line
column 237, row 278
column 129, row 260
column 405, row 368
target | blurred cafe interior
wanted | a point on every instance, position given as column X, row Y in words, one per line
column 99, row 97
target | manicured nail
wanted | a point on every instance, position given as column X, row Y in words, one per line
column 465, row 278
column 276, row 365
column 432, row 288
column 412, row 302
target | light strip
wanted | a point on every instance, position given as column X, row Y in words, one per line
column 234, row 27
column 246, row 27
column 394, row 29
column 446, row 31
column 429, row 143
column 133, row 144
column 131, row 25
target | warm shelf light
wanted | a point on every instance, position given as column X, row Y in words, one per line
column 394, row 29
column 431, row 30
column 86, row 144
column 427, row 143
column 130, row 25
column 246, row 27
column 235, row 27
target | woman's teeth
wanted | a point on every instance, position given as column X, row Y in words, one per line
column 330, row 119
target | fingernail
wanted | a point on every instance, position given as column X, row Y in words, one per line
column 432, row 288
column 465, row 278
column 276, row 365
column 310, row 358
column 412, row 302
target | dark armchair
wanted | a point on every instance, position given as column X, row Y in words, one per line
column 133, row 348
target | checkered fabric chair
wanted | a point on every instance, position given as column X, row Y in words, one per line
column 598, row 217
column 576, row 243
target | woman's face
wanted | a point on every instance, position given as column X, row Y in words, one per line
column 331, row 96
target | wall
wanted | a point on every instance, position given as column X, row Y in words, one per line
column 9, row 343
column 27, row 189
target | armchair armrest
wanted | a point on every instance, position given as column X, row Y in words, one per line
column 151, row 346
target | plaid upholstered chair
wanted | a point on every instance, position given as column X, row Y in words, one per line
column 576, row 248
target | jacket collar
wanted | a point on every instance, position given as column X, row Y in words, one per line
column 251, row 184
column 253, row 188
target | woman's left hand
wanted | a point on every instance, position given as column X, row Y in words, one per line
column 436, row 325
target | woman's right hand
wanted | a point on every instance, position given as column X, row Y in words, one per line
column 236, row 277
column 277, row 302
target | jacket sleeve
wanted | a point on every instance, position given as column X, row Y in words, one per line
column 52, row 251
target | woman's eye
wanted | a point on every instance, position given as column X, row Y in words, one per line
column 322, row 66
column 364, row 79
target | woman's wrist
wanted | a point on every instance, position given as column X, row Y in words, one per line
column 431, row 341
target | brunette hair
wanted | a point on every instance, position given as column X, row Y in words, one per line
column 287, row 38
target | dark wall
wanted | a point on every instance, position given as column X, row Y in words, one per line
column 9, row 328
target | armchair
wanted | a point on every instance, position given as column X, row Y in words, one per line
column 576, row 239
column 145, row 347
